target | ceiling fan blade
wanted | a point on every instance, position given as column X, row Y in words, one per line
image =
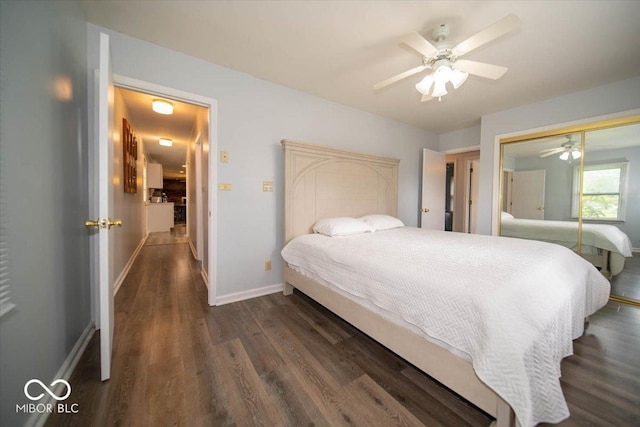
column 418, row 43
column 492, row 32
column 426, row 98
column 481, row 69
column 399, row 77
column 550, row 152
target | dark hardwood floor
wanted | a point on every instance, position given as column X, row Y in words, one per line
column 279, row 360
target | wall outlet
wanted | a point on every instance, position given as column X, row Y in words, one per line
column 224, row 157
column 267, row 265
column 224, row 187
column 267, row 185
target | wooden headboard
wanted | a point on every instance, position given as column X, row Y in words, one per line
column 322, row 182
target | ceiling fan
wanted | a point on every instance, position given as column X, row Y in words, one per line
column 443, row 58
column 569, row 150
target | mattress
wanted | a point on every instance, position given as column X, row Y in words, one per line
column 511, row 306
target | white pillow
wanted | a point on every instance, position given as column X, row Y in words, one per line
column 341, row 226
column 381, row 222
column 505, row 215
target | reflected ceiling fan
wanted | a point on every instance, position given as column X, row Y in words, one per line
column 444, row 58
column 570, row 149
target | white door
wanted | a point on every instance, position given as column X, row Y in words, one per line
column 434, row 170
column 474, row 191
column 104, row 107
column 527, row 194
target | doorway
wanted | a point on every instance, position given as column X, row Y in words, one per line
column 197, row 216
column 462, row 190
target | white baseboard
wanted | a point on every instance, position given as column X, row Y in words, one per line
column 636, row 250
column 38, row 419
column 193, row 250
column 205, row 276
column 251, row 293
column 125, row 270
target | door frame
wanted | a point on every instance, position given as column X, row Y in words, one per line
column 212, row 106
column 469, row 178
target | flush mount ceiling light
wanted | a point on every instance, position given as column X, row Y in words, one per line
column 162, row 107
column 443, row 58
column 166, row 142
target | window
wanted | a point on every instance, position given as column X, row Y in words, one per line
column 603, row 191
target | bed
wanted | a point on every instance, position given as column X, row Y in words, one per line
column 322, row 182
column 605, row 246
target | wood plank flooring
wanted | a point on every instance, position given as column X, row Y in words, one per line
column 287, row 361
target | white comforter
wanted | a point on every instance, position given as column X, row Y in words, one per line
column 513, row 306
column 603, row 236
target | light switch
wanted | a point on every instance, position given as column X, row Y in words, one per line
column 267, row 185
column 224, row 157
column 224, row 187
column 267, row 265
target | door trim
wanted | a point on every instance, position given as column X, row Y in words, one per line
column 212, row 105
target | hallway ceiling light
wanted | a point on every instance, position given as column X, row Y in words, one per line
column 166, row 142
column 162, row 107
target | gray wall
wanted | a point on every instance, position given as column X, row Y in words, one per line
column 43, row 129
column 459, row 139
column 253, row 116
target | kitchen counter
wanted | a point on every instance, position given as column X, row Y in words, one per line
column 159, row 217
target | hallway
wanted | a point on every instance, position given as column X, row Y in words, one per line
column 278, row 360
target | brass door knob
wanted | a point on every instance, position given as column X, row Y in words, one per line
column 92, row 224
column 103, row 223
column 541, row 208
column 424, row 210
column 114, row 223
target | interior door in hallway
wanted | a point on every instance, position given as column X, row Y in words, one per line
column 104, row 136
column 434, row 171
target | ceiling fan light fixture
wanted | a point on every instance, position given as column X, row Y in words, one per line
column 442, row 74
column 424, row 86
column 564, row 156
column 162, row 107
column 439, row 90
column 165, row 142
column 458, row 78
column 576, row 154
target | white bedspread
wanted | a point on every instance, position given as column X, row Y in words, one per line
column 512, row 305
column 603, row 236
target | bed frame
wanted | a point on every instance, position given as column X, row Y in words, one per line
column 322, row 182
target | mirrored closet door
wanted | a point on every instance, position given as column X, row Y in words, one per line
column 578, row 187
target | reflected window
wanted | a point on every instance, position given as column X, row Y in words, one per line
column 603, row 192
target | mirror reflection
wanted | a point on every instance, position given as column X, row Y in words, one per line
column 610, row 207
column 585, row 198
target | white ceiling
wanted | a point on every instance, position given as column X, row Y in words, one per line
column 338, row 50
column 151, row 126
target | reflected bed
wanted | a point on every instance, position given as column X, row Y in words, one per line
column 603, row 245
